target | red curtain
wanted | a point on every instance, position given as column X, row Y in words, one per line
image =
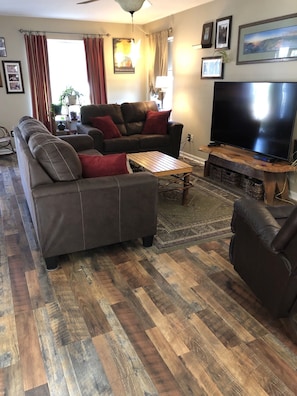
column 37, row 56
column 96, row 69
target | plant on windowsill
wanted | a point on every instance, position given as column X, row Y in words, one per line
column 69, row 96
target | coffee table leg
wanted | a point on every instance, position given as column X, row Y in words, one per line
column 187, row 185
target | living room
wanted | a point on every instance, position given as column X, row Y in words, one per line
column 192, row 96
column 123, row 319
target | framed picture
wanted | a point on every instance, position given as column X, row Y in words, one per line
column 13, row 76
column 206, row 39
column 270, row 40
column 2, row 47
column 223, row 33
column 123, row 55
column 212, row 67
column 1, row 83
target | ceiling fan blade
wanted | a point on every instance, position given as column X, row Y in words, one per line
column 87, row 1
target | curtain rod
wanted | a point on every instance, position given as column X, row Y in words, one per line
column 83, row 34
column 169, row 30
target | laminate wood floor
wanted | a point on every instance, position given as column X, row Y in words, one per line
column 124, row 320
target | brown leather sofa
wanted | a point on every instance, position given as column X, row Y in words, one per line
column 71, row 213
column 263, row 252
column 130, row 119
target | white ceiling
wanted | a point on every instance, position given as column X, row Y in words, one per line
column 101, row 10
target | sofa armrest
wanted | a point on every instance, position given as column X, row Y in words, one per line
column 95, row 133
column 254, row 215
column 174, row 130
column 79, row 142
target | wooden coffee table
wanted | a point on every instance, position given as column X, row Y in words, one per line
column 161, row 165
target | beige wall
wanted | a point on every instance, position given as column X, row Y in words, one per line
column 193, row 96
column 120, row 87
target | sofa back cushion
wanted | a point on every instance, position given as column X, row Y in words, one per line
column 113, row 110
column 57, row 157
column 28, row 126
column 134, row 115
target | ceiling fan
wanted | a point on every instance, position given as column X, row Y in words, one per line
column 127, row 5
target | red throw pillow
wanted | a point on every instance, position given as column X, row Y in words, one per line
column 156, row 122
column 107, row 126
column 105, row 165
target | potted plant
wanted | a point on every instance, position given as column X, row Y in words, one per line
column 56, row 109
column 69, row 96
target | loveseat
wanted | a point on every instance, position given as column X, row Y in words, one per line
column 131, row 127
column 71, row 212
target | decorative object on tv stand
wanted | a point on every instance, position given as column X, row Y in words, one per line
column 162, row 83
column 270, row 40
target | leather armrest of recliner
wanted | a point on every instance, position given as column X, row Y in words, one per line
column 257, row 217
column 287, row 232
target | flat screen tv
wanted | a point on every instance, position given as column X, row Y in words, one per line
column 256, row 116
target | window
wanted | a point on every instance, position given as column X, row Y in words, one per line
column 67, row 65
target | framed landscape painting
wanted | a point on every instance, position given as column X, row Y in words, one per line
column 270, row 40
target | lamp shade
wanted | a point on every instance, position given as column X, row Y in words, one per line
column 162, row 82
column 130, row 5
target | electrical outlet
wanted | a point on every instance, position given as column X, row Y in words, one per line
column 190, row 137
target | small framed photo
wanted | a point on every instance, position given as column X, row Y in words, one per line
column 2, row 47
column 223, row 33
column 212, row 67
column 206, row 39
column 13, row 76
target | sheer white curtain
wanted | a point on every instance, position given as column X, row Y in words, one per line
column 158, row 57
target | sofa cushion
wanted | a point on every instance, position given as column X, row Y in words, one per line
column 106, row 165
column 154, row 142
column 57, row 157
column 156, row 122
column 125, row 144
column 107, row 126
column 28, row 126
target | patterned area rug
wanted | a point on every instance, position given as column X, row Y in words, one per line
column 206, row 215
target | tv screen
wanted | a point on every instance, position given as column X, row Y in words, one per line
column 256, row 116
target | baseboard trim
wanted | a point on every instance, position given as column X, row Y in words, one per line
column 191, row 157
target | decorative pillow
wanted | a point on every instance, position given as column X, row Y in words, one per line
column 57, row 157
column 156, row 122
column 107, row 126
column 103, row 165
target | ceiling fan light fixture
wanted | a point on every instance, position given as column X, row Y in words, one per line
column 130, row 5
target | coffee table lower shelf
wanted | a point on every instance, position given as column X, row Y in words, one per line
column 160, row 165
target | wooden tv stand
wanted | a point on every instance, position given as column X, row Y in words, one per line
column 273, row 174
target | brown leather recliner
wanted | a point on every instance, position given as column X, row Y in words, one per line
column 263, row 252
